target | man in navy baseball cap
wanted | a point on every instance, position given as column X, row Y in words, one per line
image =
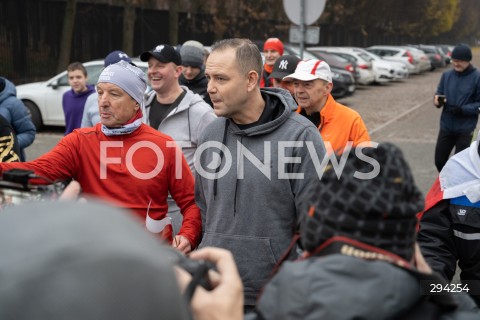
column 116, row 56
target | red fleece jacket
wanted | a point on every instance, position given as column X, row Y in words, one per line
column 127, row 170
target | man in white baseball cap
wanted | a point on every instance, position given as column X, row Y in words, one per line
column 339, row 125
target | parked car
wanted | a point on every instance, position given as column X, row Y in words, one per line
column 364, row 65
column 400, row 70
column 44, row 99
column 433, row 53
column 446, row 48
column 421, row 58
column 343, row 83
column 446, row 51
column 337, row 61
column 396, row 53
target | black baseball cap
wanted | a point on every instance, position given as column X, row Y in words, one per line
column 163, row 53
column 284, row 66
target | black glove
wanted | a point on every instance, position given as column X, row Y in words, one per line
column 453, row 109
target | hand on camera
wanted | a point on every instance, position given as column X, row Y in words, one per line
column 225, row 300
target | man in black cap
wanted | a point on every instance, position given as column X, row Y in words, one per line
column 284, row 66
column 459, row 94
column 174, row 109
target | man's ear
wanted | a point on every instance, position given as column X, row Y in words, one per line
column 329, row 87
column 137, row 106
column 253, row 80
column 178, row 70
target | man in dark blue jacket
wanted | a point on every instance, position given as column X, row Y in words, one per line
column 460, row 88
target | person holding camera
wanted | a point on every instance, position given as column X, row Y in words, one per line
column 459, row 94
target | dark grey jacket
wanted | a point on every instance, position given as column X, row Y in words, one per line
column 346, row 288
column 250, row 206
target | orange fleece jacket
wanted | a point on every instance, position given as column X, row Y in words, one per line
column 340, row 124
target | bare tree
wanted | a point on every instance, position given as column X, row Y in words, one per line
column 67, row 35
column 173, row 21
column 129, row 17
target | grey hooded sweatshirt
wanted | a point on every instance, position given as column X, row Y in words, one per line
column 248, row 205
column 184, row 124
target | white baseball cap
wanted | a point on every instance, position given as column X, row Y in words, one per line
column 308, row 70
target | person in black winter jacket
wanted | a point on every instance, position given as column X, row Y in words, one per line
column 450, row 223
column 193, row 74
column 460, row 88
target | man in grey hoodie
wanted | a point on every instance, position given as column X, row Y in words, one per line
column 250, row 207
column 173, row 109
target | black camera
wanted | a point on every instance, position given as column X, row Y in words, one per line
column 198, row 269
column 15, row 187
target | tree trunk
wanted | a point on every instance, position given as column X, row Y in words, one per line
column 173, row 22
column 67, row 35
column 129, row 17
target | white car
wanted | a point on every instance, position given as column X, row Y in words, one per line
column 397, row 53
column 400, row 70
column 44, row 99
column 364, row 66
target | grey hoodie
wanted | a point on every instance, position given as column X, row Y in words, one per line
column 254, row 216
column 184, row 124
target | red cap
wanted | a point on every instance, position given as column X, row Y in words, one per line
column 273, row 44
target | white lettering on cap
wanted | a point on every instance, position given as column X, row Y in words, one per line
column 283, row 64
column 159, row 48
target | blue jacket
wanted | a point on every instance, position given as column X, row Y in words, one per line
column 462, row 90
column 13, row 110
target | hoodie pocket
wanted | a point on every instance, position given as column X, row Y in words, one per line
column 253, row 255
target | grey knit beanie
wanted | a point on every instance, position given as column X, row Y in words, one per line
column 130, row 78
column 193, row 54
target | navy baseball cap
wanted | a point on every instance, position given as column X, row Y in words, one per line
column 116, row 56
column 163, row 53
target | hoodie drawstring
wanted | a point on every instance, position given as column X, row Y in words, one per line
column 222, row 153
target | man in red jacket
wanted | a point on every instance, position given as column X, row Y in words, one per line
column 125, row 161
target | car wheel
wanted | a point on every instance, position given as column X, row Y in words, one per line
column 34, row 114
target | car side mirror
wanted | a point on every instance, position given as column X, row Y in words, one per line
column 54, row 84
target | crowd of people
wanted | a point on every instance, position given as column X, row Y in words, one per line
column 222, row 157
